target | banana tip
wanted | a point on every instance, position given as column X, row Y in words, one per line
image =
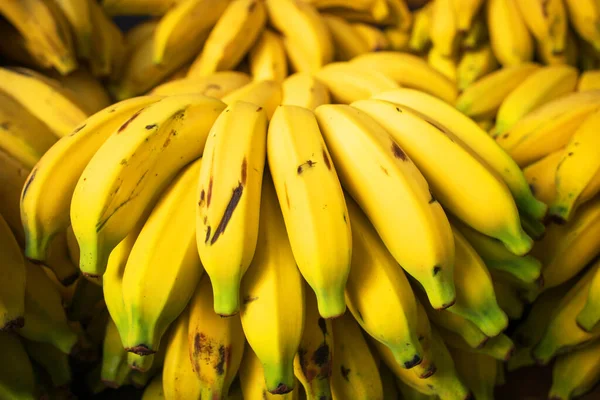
column 282, row 388
column 110, row 384
column 14, row 324
column 510, row 353
column 416, row 360
column 429, row 372
column 140, row 350
column 447, row 305
column 580, row 326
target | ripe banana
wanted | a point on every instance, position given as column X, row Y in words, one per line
column 444, row 163
column 267, row 58
column 303, row 90
column 500, row 347
column 474, row 65
column 419, row 35
column 374, row 38
column 444, row 65
column 547, row 21
column 584, row 17
column 77, row 13
column 115, row 371
column 347, row 41
column 216, row 344
column 272, row 293
column 422, row 242
column 307, row 39
column 216, row 85
column 313, row 206
column 153, row 296
column 348, row 82
column 541, row 87
column 265, row 94
column 477, row 371
column 409, row 71
column 576, row 169
column 466, row 11
column 138, row 7
column 109, row 55
column 477, row 35
column 378, row 293
column 589, row 316
column 12, row 280
column 252, row 380
column 569, row 56
column 444, row 29
column 115, row 187
column 17, row 376
column 576, row 373
column 398, row 40
column 589, row 80
column 86, row 89
column 483, row 98
column 509, row 37
column 355, row 374
column 238, row 137
column 313, row 362
column 154, row 390
column 15, row 49
column 380, row 13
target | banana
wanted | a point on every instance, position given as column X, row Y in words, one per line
column 509, row 36
column 139, row 378
column 115, row 371
column 45, row 28
column 474, row 65
column 401, row 15
column 153, row 296
column 347, row 41
column 378, row 293
column 232, row 37
column 77, row 12
column 547, row 21
column 186, row 22
column 584, row 17
column 348, row 82
column 477, row 371
column 303, row 90
column 138, row 7
column 409, row 393
column 500, row 347
column 589, row 80
column 422, row 242
column 375, row 39
column 12, row 179
column 428, row 366
column 589, row 316
column 154, row 390
column 87, row 300
column 483, row 98
column 398, row 39
column 444, row 162
column 12, row 306
column 216, row 85
column 446, row 66
column 409, row 71
column 388, row 382
column 569, row 56
column 316, row 220
column 237, row 189
column 272, row 293
column 267, row 57
column 576, row 373
column 477, row 35
column 54, row 362
column 109, row 54
column 466, row 12
column 549, row 127
column 382, row 12
column 265, row 94
column 252, row 380
column 59, row 262
column 42, row 98
column 17, row 377
column 508, row 298
column 114, row 189
column 307, row 39
column 444, row 29
column 541, row 87
column 562, row 332
column 378, row 9
column 420, row 39
column 355, row 374
column 22, row 135
column 216, row 344
column 576, row 169
column 313, row 362
column 15, row 49
column 86, row 89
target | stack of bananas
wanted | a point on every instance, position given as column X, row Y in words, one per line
column 370, row 233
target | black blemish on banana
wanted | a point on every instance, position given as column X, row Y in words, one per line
column 398, row 152
column 80, row 127
column 345, row 372
column 398, row 109
column 202, row 197
column 208, row 229
column 126, row 123
column 231, row 206
column 29, row 180
column 436, row 270
column 244, row 170
column 223, row 359
column 209, row 193
column 140, row 350
column 416, row 360
column 249, row 299
column 321, row 355
column 282, row 388
column 326, row 159
column 304, row 166
column 323, row 325
column 148, row 127
column 172, row 133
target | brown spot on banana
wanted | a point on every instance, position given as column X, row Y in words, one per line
column 244, row 170
column 398, row 152
column 236, row 195
column 209, row 193
column 126, row 123
column 326, row 159
column 224, row 356
column 287, row 196
column 140, row 350
column 345, row 372
column 304, row 166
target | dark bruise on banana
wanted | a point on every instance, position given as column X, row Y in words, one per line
column 210, row 353
column 318, row 364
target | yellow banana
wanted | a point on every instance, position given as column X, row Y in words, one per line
column 483, row 98
column 576, row 373
column 86, row 89
column 272, row 293
column 307, row 39
column 115, row 371
column 474, row 65
column 346, row 40
column 569, row 56
column 313, row 362
column 252, row 380
column 422, row 242
column 216, row 85
column 267, row 58
column 232, row 37
column 508, row 298
column 444, row 29
column 584, row 17
column 377, row 8
column 500, row 347
column 17, row 376
column 154, row 295
column 509, row 37
column 216, row 344
column 477, row 35
column 138, row 7
column 115, row 188
column 589, row 80
column 410, row 71
column 15, row 49
column 381, row 12
column 304, row 90
column 589, row 316
column 466, row 11
column 12, row 294
column 576, row 169
column 265, row 94
column 226, row 239
column 446, row 66
column 420, row 38
column 544, row 85
column 77, row 12
column 547, row 21
column 12, row 179
column 477, row 371
column 154, row 390
column 316, row 220
column 378, row 293
column 375, row 38
column 109, row 55
column 444, row 162
column 355, row 374
column 398, row 39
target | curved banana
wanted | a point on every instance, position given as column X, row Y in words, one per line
column 585, row 17
column 444, row 65
column 17, row 377
column 420, row 38
column 12, row 280
column 589, row 80
column 576, row 373
column 313, row 205
column 576, row 169
column 216, row 85
column 109, row 55
column 138, row 7
column 216, row 344
column 477, row 371
column 375, row 38
column 163, row 267
column 154, row 390
column 267, row 58
column 474, row 65
column 304, row 90
column 86, row 89
column 445, row 163
column 589, row 316
column 232, row 37
column 124, row 176
column 483, row 98
column 509, row 37
column 348, row 82
column 307, row 39
column 313, row 362
column 378, row 293
column 444, row 29
column 422, row 242
column 252, row 380
column 265, row 94
column 547, row 21
column 114, row 371
column 346, row 40
column 272, row 293
column 410, row 71
column 355, row 374
column 466, row 11
column 500, row 347
column 541, row 87
column 77, row 12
